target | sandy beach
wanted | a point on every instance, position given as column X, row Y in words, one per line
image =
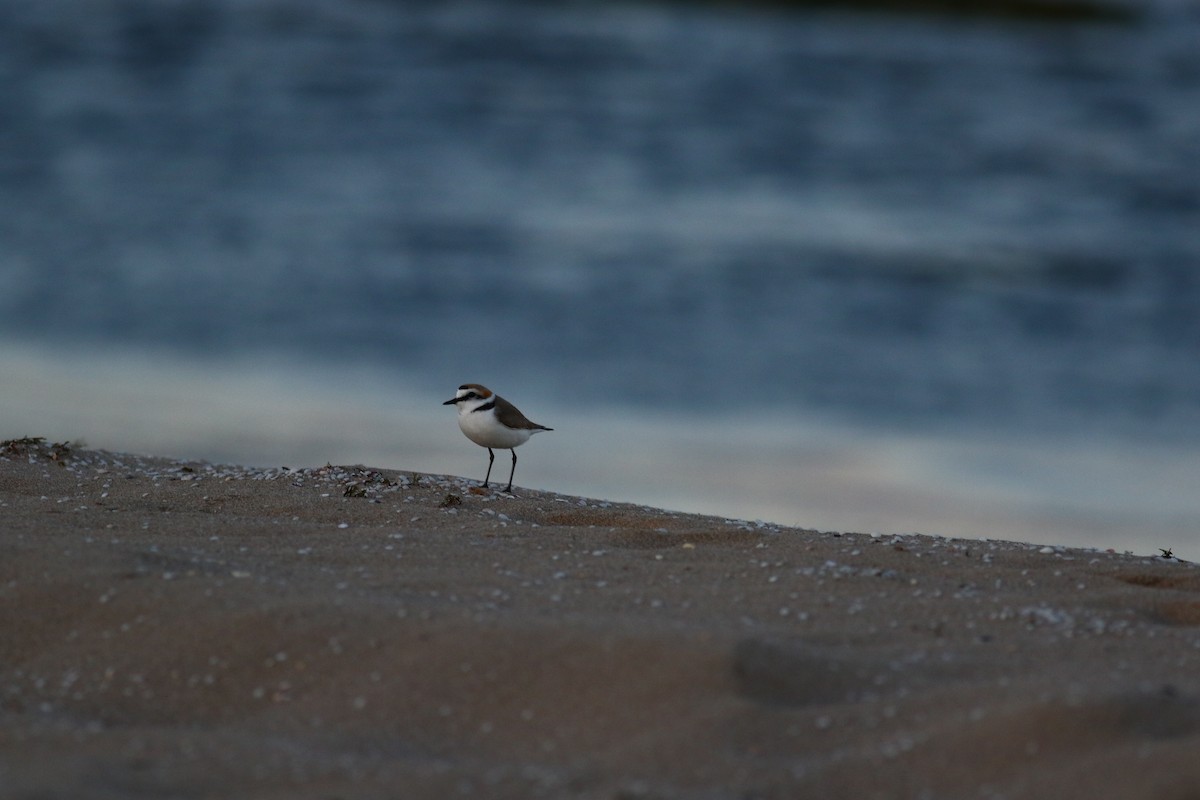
column 186, row 630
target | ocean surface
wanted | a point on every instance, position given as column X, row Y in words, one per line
column 842, row 270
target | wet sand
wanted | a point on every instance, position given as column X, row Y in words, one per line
column 185, row 630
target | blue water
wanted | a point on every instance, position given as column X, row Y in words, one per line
column 904, row 223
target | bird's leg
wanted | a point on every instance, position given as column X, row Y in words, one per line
column 491, row 458
column 513, row 470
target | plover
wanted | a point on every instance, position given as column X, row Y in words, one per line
column 490, row 421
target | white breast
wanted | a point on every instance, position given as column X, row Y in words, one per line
column 482, row 428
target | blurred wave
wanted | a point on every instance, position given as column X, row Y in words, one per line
column 896, row 226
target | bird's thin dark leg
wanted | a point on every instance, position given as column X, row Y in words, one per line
column 512, row 471
column 491, row 458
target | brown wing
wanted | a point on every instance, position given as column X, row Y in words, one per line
column 508, row 414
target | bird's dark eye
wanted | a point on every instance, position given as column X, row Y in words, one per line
column 470, row 396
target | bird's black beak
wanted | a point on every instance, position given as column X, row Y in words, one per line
column 451, row 401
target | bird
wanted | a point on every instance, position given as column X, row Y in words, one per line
column 488, row 420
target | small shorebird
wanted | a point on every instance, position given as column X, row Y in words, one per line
column 490, row 421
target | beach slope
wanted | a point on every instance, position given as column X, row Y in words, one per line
column 187, row 630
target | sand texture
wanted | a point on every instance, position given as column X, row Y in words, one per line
column 185, row 630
